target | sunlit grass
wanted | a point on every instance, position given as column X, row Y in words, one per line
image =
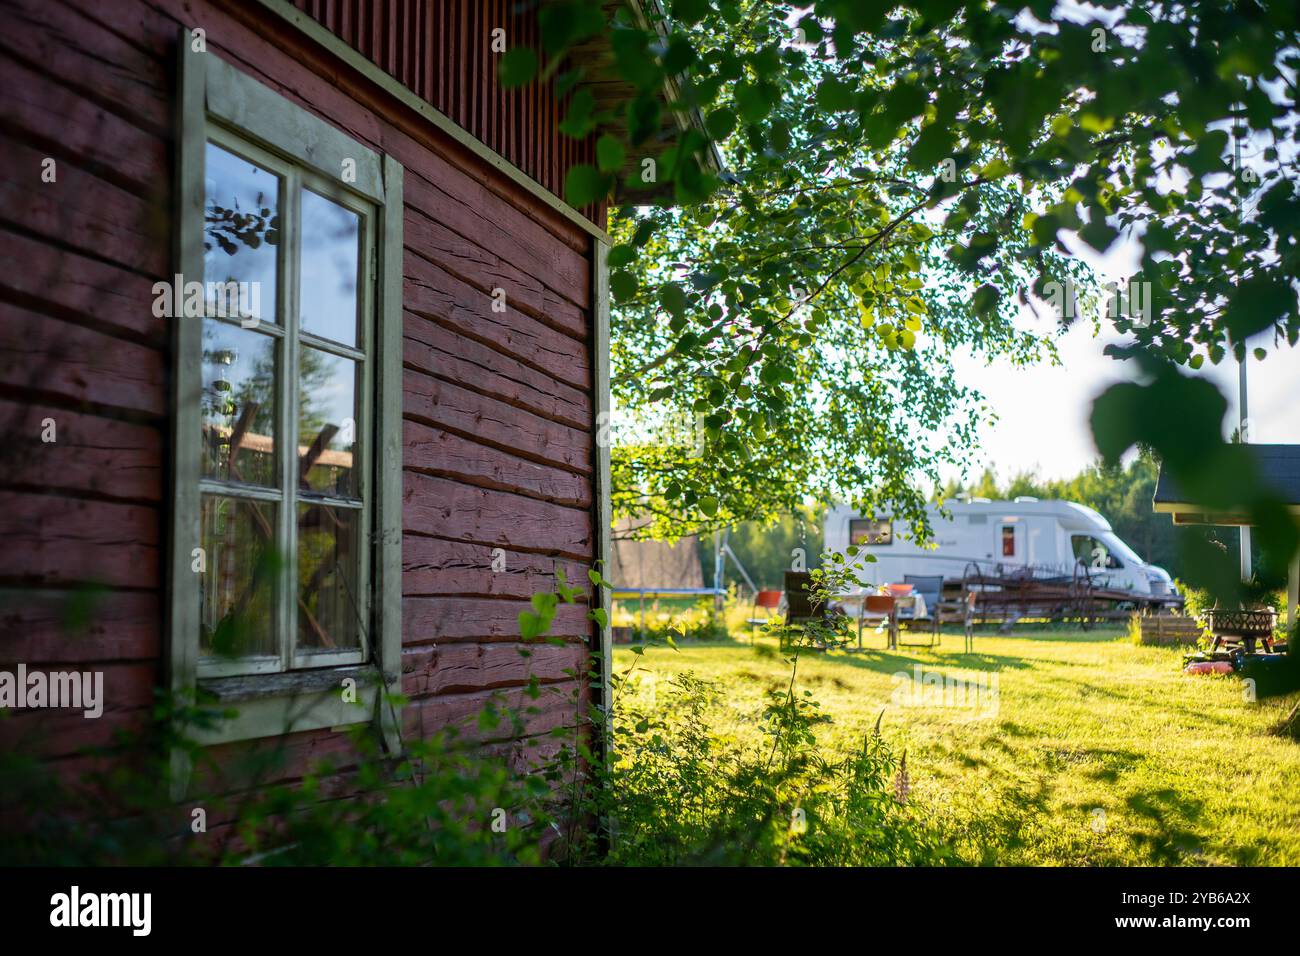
column 1097, row 752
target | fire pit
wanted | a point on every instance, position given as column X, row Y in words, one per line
column 1242, row 626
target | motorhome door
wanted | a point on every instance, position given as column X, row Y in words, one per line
column 1009, row 543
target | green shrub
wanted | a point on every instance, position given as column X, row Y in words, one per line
column 436, row 804
column 679, row 792
column 670, row 789
column 1135, row 628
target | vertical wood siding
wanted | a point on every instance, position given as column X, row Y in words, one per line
column 497, row 429
column 441, row 51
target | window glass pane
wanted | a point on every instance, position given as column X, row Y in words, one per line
column 331, row 236
column 327, row 423
column 238, row 404
column 238, row 579
column 329, row 604
column 865, row 532
column 241, row 232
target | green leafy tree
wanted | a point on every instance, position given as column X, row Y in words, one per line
column 900, row 176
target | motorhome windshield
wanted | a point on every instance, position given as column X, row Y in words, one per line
column 1116, row 544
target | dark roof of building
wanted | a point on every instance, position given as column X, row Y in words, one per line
column 1279, row 468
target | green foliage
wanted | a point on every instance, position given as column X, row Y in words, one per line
column 673, row 790
column 1134, row 631
column 898, row 180
column 435, row 805
column 699, row 622
column 680, row 792
column 1180, row 418
column 676, row 791
column 642, row 788
column 518, row 66
column 1084, row 721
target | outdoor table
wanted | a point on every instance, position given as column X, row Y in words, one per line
column 914, row 602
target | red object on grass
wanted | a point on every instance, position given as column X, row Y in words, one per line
column 1208, row 667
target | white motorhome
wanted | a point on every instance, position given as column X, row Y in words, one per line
column 997, row 536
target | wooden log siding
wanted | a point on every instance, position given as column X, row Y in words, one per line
column 441, row 50
column 498, row 406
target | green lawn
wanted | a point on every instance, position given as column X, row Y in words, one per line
column 1092, row 751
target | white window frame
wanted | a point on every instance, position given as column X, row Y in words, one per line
column 214, row 95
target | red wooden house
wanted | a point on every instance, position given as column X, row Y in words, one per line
column 301, row 359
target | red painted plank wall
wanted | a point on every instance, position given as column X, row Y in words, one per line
column 497, row 410
column 442, row 51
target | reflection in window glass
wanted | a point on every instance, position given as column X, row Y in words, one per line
column 241, row 232
column 327, row 423
column 328, row 606
column 238, row 586
column 238, row 404
column 331, row 236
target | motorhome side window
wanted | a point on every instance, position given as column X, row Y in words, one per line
column 864, row 531
column 1008, row 542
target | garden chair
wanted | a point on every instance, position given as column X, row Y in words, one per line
column 767, row 600
column 799, row 608
column 929, row 587
column 959, row 610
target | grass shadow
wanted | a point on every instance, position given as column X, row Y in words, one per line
column 1169, row 814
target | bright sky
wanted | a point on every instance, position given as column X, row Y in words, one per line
column 1043, row 410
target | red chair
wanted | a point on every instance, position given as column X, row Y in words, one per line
column 769, row 601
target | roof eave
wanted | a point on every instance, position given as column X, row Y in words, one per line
column 610, row 90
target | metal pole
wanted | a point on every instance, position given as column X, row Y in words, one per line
column 1243, row 418
column 727, row 552
column 1292, row 599
column 718, row 559
column 1243, row 410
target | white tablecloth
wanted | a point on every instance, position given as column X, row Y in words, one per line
column 909, row 605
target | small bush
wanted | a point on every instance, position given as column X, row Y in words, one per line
column 680, row 792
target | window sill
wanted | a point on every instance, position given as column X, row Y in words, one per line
column 271, row 705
